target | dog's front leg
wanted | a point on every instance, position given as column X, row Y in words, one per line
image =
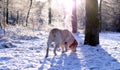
column 56, row 46
column 66, row 47
column 62, row 46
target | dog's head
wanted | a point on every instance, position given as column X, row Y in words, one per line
column 73, row 45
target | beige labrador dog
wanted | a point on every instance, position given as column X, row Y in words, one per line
column 63, row 38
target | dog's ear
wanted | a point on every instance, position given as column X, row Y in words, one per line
column 70, row 46
column 74, row 44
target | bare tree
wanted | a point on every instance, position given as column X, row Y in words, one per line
column 17, row 17
column 74, row 17
column 118, row 17
column 7, row 12
column 49, row 12
column 92, row 23
column 100, row 14
column 1, row 13
column 28, row 12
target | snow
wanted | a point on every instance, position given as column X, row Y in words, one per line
column 29, row 53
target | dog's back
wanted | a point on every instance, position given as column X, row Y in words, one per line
column 55, row 35
column 61, row 35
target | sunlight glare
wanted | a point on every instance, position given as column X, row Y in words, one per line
column 41, row 0
column 68, row 5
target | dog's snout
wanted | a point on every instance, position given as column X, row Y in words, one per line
column 74, row 50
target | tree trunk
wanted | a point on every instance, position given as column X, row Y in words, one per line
column 18, row 18
column 4, row 13
column 49, row 12
column 118, row 29
column 7, row 12
column 28, row 12
column 92, row 23
column 100, row 15
column 1, row 13
column 118, row 26
column 74, row 17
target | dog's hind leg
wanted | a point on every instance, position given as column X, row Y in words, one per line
column 47, row 51
column 48, row 45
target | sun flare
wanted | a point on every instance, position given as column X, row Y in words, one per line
column 68, row 4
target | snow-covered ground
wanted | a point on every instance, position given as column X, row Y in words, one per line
column 29, row 51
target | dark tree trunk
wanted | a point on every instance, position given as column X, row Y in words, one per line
column 49, row 12
column 7, row 12
column 100, row 15
column 28, row 12
column 4, row 13
column 74, row 17
column 118, row 27
column 17, row 17
column 1, row 13
column 92, row 23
